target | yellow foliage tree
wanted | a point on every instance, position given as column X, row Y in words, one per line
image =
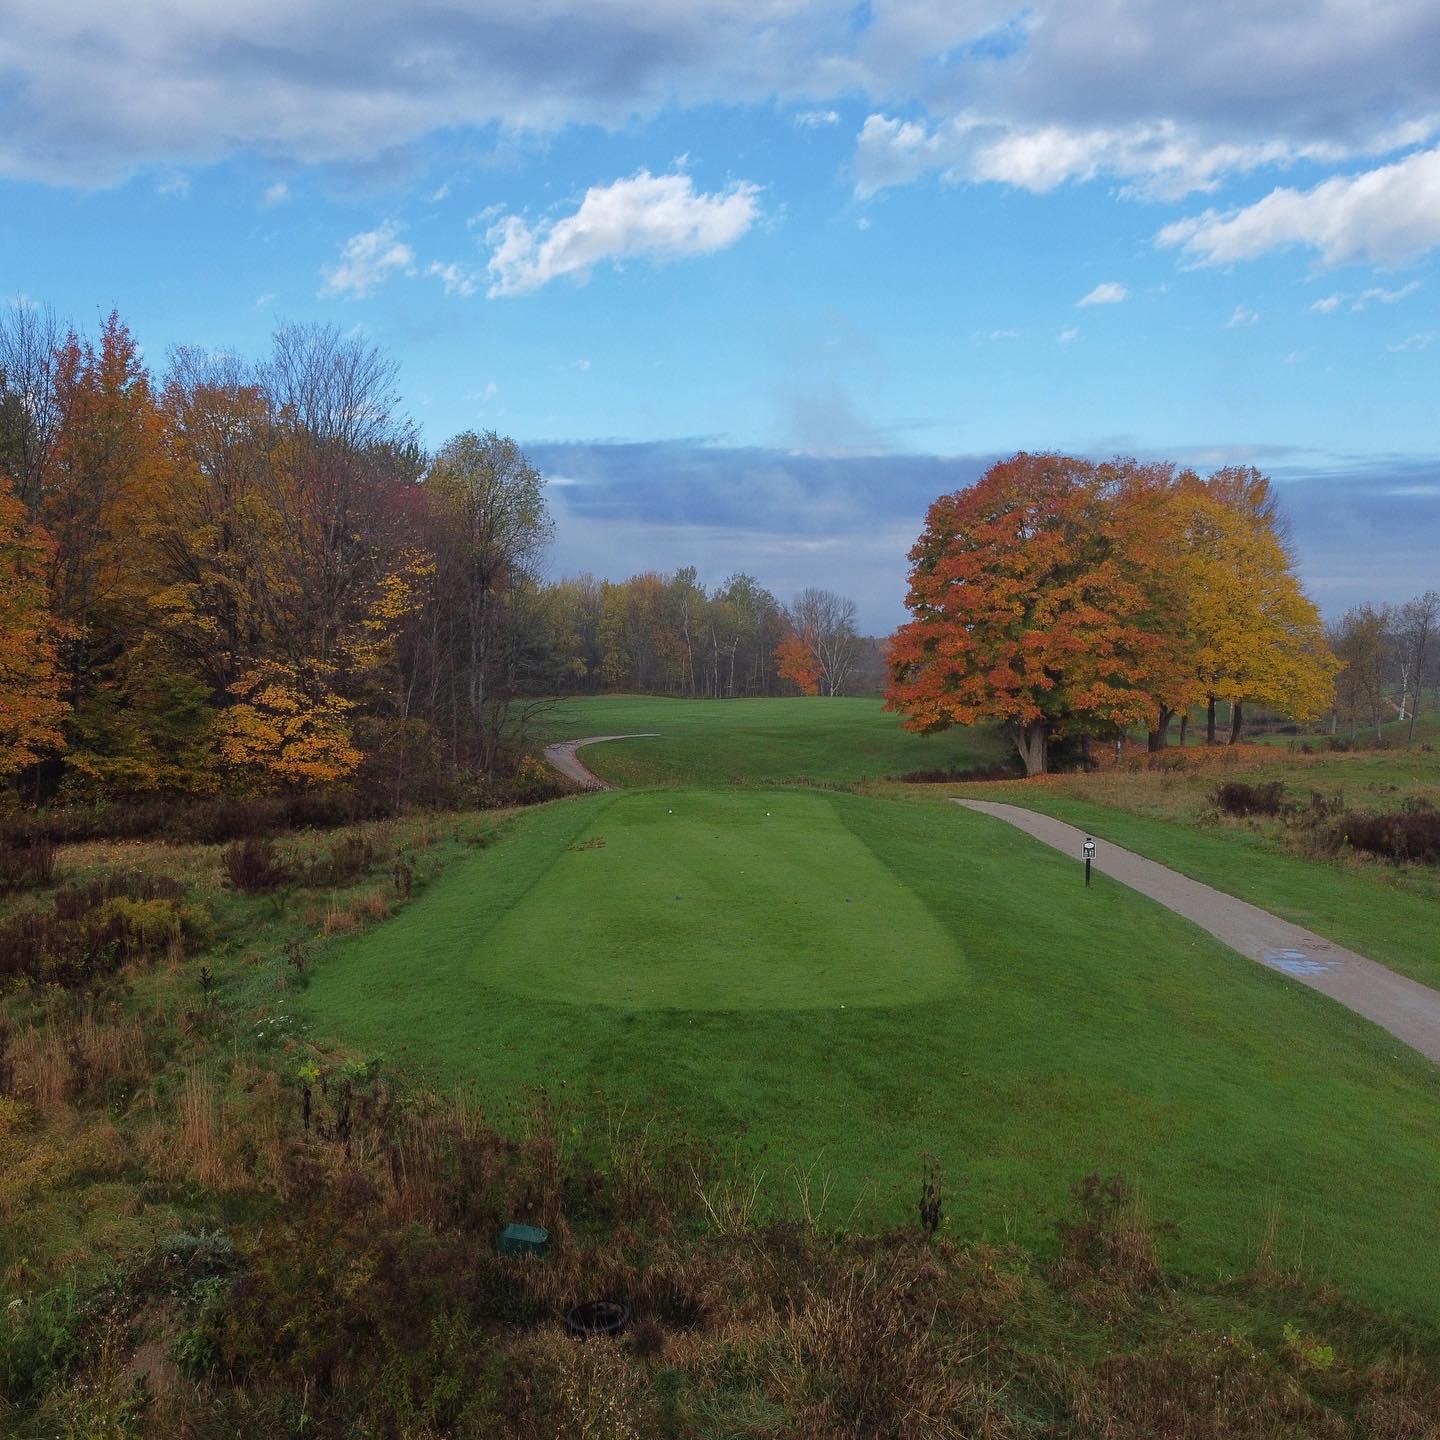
column 283, row 730
column 30, row 705
column 1253, row 633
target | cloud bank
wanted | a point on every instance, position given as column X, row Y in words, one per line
column 1361, row 529
column 1164, row 98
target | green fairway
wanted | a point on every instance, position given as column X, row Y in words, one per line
column 745, row 742
column 850, row 981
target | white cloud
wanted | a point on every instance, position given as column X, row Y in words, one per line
column 365, row 260
column 1328, row 305
column 1110, row 292
column 276, row 194
column 659, row 217
column 1384, row 216
column 261, row 301
column 581, row 365
column 455, row 279
column 1241, row 318
column 484, row 219
column 817, row 119
column 1378, row 295
column 1422, row 341
column 1004, row 335
column 1067, row 336
column 1154, row 159
column 176, row 185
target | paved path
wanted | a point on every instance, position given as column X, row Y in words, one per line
column 1408, row 1010
column 563, row 757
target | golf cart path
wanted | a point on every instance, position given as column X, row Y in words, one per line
column 1407, row 1009
column 563, row 757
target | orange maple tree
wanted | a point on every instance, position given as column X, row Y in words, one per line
column 796, row 661
column 1042, row 597
column 31, row 707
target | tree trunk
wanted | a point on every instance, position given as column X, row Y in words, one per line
column 1032, row 741
column 1237, row 719
column 1184, row 723
column 1210, row 720
column 1159, row 737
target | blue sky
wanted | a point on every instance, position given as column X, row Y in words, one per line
column 753, row 280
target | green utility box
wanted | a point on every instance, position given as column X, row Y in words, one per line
column 523, row 1240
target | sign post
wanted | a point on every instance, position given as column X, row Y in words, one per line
column 1088, row 851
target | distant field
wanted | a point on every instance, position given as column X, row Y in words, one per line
column 848, row 981
column 745, row 742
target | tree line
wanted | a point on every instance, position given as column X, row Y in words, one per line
column 666, row 634
column 1069, row 600
column 1391, row 654
column 253, row 575
column 248, row 574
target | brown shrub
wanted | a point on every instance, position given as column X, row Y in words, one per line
column 256, row 865
column 1406, row 835
column 28, row 866
column 1235, row 797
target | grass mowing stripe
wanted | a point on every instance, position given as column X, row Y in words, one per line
column 722, row 901
column 424, row 949
column 1095, row 1030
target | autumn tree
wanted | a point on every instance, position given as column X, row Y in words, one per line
column 1253, row 635
column 287, row 729
column 214, row 546
column 341, row 458
column 1036, row 604
column 1361, row 642
column 796, row 661
column 31, row 707
column 825, row 623
column 488, row 524
column 105, row 468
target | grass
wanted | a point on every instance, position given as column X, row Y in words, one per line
column 835, row 740
column 1386, row 912
column 214, row 1221
column 970, row 1000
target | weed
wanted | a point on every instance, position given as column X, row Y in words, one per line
column 256, row 865
column 931, row 1196
column 29, row 866
column 1107, row 1250
column 349, row 858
